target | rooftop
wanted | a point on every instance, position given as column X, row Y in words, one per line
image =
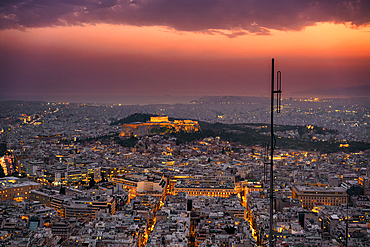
column 319, row 189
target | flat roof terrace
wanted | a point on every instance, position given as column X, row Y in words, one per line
column 321, row 190
column 204, row 184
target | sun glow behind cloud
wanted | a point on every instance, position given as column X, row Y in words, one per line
column 322, row 40
column 106, row 59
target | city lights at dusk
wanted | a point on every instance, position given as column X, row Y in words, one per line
column 185, row 123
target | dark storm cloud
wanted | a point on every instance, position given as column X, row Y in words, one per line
column 237, row 17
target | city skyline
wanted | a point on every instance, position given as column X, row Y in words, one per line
column 149, row 123
column 93, row 51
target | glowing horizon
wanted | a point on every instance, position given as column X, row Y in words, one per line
column 158, row 48
column 321, row 40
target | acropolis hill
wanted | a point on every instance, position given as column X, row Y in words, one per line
column 159, row 125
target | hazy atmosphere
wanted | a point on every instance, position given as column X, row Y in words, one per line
column 185, row 123
column 118, row 51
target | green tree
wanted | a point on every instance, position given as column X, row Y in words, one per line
column 2, row 174
column 91, row 183
column 62, row 190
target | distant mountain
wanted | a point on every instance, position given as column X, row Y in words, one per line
column 228, row 99
column 360, row 91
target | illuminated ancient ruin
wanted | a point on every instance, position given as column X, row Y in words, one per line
column 159, row 125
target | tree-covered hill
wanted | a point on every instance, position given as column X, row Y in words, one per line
column 137, row 117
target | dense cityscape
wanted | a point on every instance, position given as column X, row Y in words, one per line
column 155, row 123
column 195, row 174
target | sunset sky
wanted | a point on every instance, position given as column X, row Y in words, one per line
column 89, row 50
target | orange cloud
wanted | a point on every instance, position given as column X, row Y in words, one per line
column 323, row 40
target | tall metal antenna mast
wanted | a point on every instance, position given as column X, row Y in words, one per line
column 265, row 161
column 273, row 92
